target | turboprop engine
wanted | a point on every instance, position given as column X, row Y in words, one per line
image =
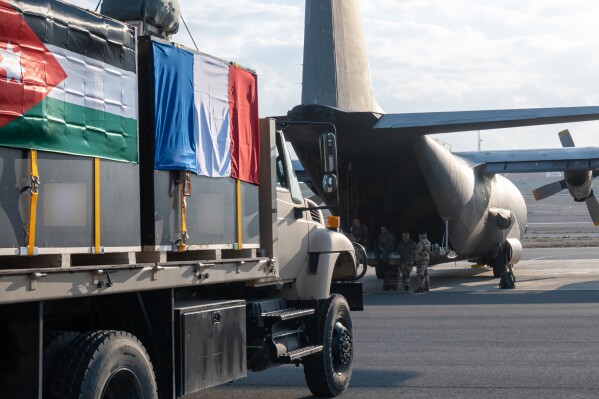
column 578, row 182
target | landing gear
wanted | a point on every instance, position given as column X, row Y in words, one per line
column 499, row 268
column 508, row 279
column 328, row 372
column 503, row 270
column 500, row 264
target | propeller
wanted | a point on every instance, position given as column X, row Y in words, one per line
column 579, row 183
column 549, row 189
column 566, row 138
column 593, row 207
column 555, row 187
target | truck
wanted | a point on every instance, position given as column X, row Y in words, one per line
column 133, row 264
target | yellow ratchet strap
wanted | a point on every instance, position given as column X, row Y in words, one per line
column 97, row 247
column 185, row 191
column 239, row 233
column 33, row 193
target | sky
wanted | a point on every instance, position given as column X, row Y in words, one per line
column 426, row 56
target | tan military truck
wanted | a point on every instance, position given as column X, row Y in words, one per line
column 122, row 278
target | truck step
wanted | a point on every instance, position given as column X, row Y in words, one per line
column 285, row 314
column 292, row 356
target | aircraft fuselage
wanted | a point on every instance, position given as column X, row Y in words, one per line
column 483, row 210
column 416, row 184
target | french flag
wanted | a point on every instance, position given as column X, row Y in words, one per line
column 205, row 115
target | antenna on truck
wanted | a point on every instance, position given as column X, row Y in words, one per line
column 190, row 35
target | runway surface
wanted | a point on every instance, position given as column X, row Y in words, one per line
column 468, row 339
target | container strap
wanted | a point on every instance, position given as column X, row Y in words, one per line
column 33, row 194
column 239, row 214
column 185, row 191
column 97, row 220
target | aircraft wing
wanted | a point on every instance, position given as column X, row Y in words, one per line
column 525, row 161
column 363, row 133
column 451, row 122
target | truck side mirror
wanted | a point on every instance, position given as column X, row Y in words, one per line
column 329, row 183
column 328, row 153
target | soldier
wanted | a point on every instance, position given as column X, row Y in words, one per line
column 423, row 250
column 386, row 242
column 406, row 249
column 386, row 245
column 359, row 233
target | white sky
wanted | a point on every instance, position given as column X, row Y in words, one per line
column 427, row 55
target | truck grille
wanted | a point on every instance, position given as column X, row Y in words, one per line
column 315, row 215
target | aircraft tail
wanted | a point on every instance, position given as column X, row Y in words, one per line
column 336, row 69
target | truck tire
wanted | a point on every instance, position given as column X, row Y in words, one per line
column 103, row 364
column 55, row 343
column 328, row 372
column 361, row 261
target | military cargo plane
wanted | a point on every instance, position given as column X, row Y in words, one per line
column 393, row 173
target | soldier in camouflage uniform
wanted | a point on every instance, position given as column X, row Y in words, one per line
column 423, row 250
column 406, row 249
column 359, row 233
column 386, row 243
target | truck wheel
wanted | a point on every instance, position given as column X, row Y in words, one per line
column 328, row 372
column 361, row 261
column 103, row 365
column 55, row 343
column 380, row 272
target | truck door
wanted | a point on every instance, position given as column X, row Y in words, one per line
column 292, row 232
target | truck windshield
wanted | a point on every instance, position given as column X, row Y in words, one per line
column 285, row 175
column 280, row 169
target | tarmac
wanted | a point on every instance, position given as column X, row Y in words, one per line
column 467, row 338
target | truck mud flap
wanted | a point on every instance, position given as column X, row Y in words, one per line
column 352, row 291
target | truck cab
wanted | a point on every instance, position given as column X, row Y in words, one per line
column 306, row 249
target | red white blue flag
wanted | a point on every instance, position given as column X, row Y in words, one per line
column 206, row 115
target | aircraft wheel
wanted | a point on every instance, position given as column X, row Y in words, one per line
column 103, row 364
column 328, row 372
column 507, row 281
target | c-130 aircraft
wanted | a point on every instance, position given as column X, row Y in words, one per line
column 394, row 174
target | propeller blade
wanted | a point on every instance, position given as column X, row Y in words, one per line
column 549, row 189
column 593, row 207
column 566, row 138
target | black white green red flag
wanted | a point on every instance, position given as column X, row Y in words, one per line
column 67, row 81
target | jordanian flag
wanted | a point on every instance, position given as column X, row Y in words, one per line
column 67, row 81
